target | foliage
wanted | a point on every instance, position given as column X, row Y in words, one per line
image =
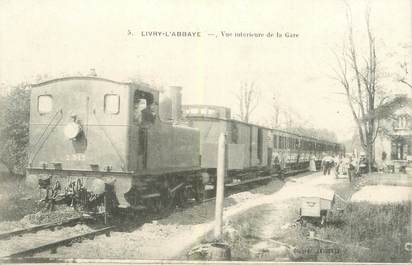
column 365, row 233
column 240, row 233
column 18, row 199
column 14, row 128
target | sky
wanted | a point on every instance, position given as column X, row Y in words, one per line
column 70, row 37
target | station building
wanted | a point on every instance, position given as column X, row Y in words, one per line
column 393, row 145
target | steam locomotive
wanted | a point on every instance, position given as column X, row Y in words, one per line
column 103, row 145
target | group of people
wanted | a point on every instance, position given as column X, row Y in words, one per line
column 329, row 163
column 339, row 166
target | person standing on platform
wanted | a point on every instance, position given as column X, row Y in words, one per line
column 352, row 168
column 336, row 163
column 327, row 164
column 312, row 164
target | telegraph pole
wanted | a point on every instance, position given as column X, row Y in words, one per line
column 220, row 186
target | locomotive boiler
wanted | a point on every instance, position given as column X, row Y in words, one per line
column 101, row 144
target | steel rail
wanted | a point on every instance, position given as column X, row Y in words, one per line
column 37, row 228
column 59, row 243
column 248, row 181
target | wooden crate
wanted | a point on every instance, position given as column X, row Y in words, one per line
column 314, row 201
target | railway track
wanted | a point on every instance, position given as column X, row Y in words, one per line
column 30, row 234
column 52, row 246
column 55, row 243
column 34, row 229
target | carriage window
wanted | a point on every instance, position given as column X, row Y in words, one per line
column 111, row 103
column 44, row 104
column 193, row 111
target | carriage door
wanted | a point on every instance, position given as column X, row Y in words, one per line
column 269, row 158
column 260, row 145
column 250, row 144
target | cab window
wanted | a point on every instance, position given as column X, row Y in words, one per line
column 145, row 109
column 44, row 104
column 139, row 105
column 111, row 104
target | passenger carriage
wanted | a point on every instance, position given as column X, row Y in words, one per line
column 249, row 146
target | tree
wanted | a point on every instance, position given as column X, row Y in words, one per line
column 403, row 78
column 284, row 116
column 397, row 62
column 14, row 130
column 276, row 108
column 248, row 98
column 358, row 75
column 387, row 109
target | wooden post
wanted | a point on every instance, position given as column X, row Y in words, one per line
column 220, row 185
column 105, row 207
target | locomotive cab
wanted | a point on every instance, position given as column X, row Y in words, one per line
column 90, row 133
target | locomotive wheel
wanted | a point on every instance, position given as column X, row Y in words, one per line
column 183, row 197
column 158, row 205
column 168, row 202
column 199, row 190
column 200, row 195
column 179, row 198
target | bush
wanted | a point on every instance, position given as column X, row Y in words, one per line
column 384, row 229
column 14, row 129
column 368, row 233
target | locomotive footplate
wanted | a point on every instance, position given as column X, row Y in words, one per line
column 89, row 191
column 103, row 191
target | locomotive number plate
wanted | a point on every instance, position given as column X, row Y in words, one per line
column 76, row 157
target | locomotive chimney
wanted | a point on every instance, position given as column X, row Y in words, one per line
column 176, row 97
column 165, row 106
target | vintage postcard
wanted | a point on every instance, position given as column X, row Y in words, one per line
column 205, row 131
